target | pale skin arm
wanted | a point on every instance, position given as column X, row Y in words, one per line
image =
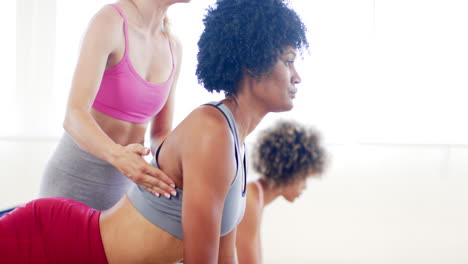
column 101, row 38
column 248, row 231
column 209, row 167
column 162, row 122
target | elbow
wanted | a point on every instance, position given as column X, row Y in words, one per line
column 66, row 122
column 69, row 120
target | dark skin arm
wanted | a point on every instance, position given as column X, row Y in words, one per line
column 248, row 231
column 208, row 169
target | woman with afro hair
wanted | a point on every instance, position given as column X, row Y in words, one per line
column 247, row 50
column 285, row 156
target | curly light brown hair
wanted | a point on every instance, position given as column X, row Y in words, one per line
column 287, row 152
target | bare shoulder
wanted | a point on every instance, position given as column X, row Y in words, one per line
column 252, row 194
column 207, row 151
column 209, row 124
column 106, row 24
column 206, row 132
column 253, row 209
column 104, row 33
column 108, row 15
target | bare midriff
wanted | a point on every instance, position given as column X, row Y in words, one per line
column 121, row 132
column 128, row 237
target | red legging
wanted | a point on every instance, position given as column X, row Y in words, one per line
column 51, row 230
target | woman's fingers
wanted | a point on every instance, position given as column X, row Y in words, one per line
column 139, row 171
column 152, row 179
column 162, row 192
column 156, row 191
column 159, row 179
column 153, row 185
column 139, row 149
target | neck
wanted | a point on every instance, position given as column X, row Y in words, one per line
column 247, row 111
column 270, row 193
column 150, row 14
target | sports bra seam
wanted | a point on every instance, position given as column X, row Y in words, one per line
column 130, row 117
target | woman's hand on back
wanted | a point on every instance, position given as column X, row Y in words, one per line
column 128, row 160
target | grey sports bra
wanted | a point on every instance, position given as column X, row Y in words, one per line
column 166, row 213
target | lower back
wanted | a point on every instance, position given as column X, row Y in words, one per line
column 128, row 237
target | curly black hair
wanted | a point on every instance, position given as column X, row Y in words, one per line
column 245, row 35
column 287, row 152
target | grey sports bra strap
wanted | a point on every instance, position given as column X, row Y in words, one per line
column 232, row 125
column 230, row 119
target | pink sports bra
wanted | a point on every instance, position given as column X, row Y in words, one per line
column 125, row 95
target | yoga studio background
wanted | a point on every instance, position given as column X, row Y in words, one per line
column 385, row 82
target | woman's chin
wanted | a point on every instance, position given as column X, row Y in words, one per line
column 284, row 108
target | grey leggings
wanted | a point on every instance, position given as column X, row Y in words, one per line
column 74, row 173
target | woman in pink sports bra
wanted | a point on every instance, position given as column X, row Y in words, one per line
column 204, row 155
column 124, row 82
column 285, row 156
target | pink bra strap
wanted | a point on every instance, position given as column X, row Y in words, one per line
column 172, row 56
column 260, row 192
column 125, row 27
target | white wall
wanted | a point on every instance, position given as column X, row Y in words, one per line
column 384, row 81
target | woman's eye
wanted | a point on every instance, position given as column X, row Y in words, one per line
column 289, row 62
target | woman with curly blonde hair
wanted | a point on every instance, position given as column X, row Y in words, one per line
column 285, row 156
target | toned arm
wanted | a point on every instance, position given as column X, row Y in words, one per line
column 208, row 169
column 227, row 248
column 104, row 33
column 248, row 231
column 101, row 38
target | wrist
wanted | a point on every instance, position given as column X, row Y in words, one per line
column 114, row 153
